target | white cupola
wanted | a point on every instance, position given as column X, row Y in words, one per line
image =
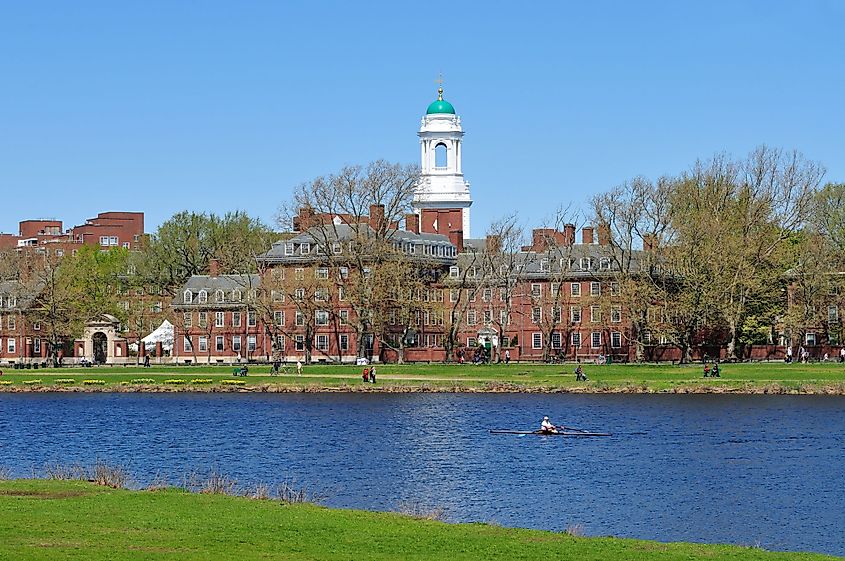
column 442, row 184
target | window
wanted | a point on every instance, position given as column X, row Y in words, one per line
column 536, row 290
column 595, row 339
column 305, row 248
column 440, row 152
column 203, row 344
column 36, row 346
column 595, row 289
column 237, row 296
column 453, row 295
column 202, row 297
column 615, row 339
column 556, row 342
column 277, row 296
column 575, row 289
column 186, row 344
column 454, row 272
column 299, row 273
column 279, row 318
column 344, row 272
column 113, row 240
column 488, row 317
column 503, row 295
column 473, row 272
column 321, row 295
column 299, row 294
column 289, row 248
column 321, row 273
column 832, row 314
column 616, row 314
column 218, row 343
column 321, row 317
column 504, row 317
column 236, row 343
column 250, row 319
column 536, row 314
column 344, row 317
column 341, row 293
column 557, row 315
column 586, row 263
column 537, row 340
column 545, row 265
column 219, row 320
column 614, row 288
column 336, row 248
column 487, row 295
column 203, row 320
column 810, row 339
column 299, row 319
column 471, row 317
column 471, row 294
column 279, row 343
column 250, row 343
column 188, row 297
column 555, row 289
column 104, row 240
column 604, row 263
column 299, row 341
column 472, row 342
column 344, row 342
column 187, row 320
column 218, row 296
column 576, row 340
column 595, row 314
column 36, row 326
column 236, row 319
column 12, row 322
column 575, row 314
column 322, row 342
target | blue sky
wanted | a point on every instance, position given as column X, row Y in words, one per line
column 216, row 106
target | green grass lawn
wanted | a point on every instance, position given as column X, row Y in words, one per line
column 606, row 377
column 50, row 520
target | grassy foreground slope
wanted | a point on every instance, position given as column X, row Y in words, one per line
column 53, row 520
column 775, row 377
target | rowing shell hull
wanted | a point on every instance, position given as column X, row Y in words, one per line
column 561, row 433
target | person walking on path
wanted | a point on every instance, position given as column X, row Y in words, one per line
column 372, row 374
column 508, row 356
column 299, row 367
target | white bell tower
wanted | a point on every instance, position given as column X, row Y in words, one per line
column 442, row 185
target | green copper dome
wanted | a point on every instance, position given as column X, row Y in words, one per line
column 440, row 105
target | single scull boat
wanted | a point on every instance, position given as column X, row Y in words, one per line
column 546, row 433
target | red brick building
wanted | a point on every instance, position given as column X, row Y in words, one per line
column 107, row 230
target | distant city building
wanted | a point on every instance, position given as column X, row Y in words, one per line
column 106, row 230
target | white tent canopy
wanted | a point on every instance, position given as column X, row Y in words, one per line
column 163, row 334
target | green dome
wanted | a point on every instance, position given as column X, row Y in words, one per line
column 440, row 105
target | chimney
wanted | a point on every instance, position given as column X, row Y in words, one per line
column 649, row 242
column 214, row 268
column 540, row 239
column 604, row 234
column 569, row 234
column 456, row 236
column 304, row 220
column 587, row 235
column 412, row 223
column 377, row 217
column 494, row 243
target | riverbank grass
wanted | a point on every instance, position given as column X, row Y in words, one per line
column 78, row 520
column 736, row 378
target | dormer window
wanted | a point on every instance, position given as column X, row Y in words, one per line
column 289, row 248
column 454, row 272
column 218, row 296
column 305, row 248
column 188, row 297
column 604, row 263
column 586, row 263
column 236, row 295
column 336, row 248
column 202, row 297
column 545, row 266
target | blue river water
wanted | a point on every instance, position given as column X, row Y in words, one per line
column 749, row 470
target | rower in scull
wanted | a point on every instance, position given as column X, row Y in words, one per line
column 547, row 427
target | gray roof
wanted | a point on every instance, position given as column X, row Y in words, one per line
column 21, row 295
column 343, row 233
column 230, row 285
